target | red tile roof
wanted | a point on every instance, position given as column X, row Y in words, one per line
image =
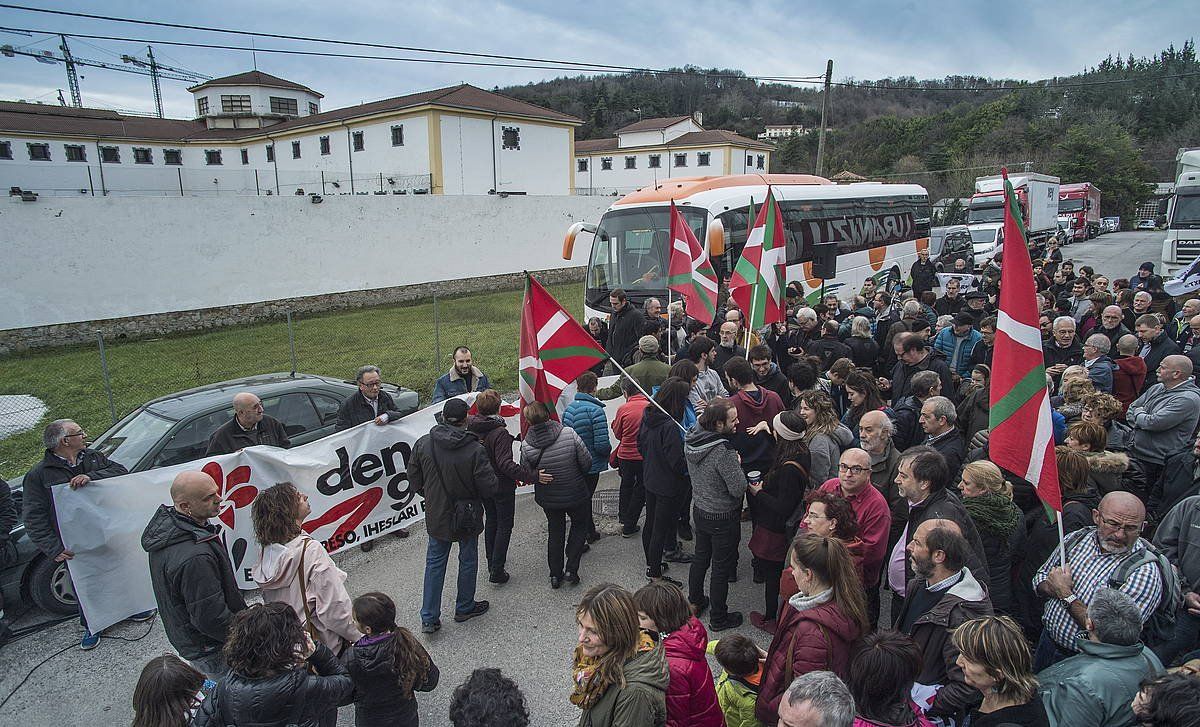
column 255, row 78
column 652, row 124
column 693, row 138
column 46, row 119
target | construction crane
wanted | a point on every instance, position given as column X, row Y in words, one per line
column 156, row 69
column 139, row 67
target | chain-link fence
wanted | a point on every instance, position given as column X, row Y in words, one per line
column 98, row 384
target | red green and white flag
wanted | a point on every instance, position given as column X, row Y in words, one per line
column 1022, row 432
column 758, row 281
column 555, row 349
column 690, row 273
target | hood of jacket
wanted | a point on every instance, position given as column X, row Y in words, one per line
column 279, row 562
column 447, row 436
column 967, row 594
column 168, row 527
column 580, row 396
column 649, row 668
column 481, row 425
column 689, row 642
column 751, row 404
column 1133, row 365
column 373, row 657
column 1107, row 462
column 652, row 418
column 1088, row 497
column 699, row 443
column 833, row 619
column 543, row 435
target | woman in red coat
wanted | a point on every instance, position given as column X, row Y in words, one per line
column 819, row 625
column 691, row 695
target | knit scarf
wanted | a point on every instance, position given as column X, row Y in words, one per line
column 993, row 513
column 801, row 602
column 587, row 692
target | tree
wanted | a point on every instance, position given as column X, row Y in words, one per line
column 1104, row 154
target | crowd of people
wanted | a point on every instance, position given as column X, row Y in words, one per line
column 905, row 578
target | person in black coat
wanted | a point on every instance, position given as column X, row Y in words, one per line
column 939, row 421
column 8, row 552
column 388, row 666
column 864, row 350
column 249, row 427
column 270, row 683
column 624, row 328
column 988, row 500
column 369, row 403
column 828, row 348
column 664, row 475
column 923, row 273
column 914, row 354
column 193, row 581
column 1156, row 345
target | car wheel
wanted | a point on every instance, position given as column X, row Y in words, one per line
column 50, row 587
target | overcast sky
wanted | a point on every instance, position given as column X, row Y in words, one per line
column 866, row 40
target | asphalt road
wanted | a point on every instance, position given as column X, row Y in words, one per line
column 529, row 632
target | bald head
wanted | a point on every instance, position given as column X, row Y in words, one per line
column 932, row 523
column 248, row 409
column 1120, row 518
column 1174, row 370
column 196, row 495
column 854, row 471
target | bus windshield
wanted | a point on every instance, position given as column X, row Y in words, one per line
column 631, row 251
column 1070, row 205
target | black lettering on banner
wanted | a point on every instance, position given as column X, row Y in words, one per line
column 367, row 469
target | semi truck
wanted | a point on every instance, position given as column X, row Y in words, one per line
column 1037, row 195
column 1079, row 208
column 1182, row 243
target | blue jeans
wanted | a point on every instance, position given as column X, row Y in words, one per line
column 1048, row 653
column 436, row 555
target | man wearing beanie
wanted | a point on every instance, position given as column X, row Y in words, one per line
column 450, row 468
column 648, row 369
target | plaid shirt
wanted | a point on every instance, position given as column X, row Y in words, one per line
column 1090, row 570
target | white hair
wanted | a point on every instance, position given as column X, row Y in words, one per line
column 806, row 314
column 1063, row 319
column 826, row 694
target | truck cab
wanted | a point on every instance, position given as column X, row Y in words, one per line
column 1181, row 246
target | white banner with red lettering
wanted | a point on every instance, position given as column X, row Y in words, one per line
column 356, row 482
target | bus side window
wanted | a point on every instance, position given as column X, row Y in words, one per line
column 737, row 224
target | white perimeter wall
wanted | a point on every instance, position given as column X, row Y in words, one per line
column 71, row 260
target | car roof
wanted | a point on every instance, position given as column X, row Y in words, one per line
column 184, row 403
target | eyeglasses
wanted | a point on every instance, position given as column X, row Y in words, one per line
column 372, row 385
column 852, row 469
column 80, row 433
column 1128, row 529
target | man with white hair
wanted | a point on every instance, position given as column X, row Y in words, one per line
column 938, row 420
column 1141, row 306
column 1111, row 324
column 1097, row 686
column 875, row 431
column 1063, row 349
column 1093, row 556
column 1164, row 418
column 67, row 460
column 248, row 428
column 816, row 699
column 1099, row 366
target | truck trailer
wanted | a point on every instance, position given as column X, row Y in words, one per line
column 1037, row 195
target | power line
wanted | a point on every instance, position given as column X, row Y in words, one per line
column 576, row 65
column 1028, row 85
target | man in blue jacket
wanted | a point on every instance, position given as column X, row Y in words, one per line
column 586, row 416
column 957, row 342
column 464, row 377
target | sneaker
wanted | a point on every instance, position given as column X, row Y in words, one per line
column 431, row 628
column 498, row 577
column 630, row 531
column 556, row 582
column 762, row 623
column 572, row 578
column 731, row 621
column 481, row 607
column 685, row 531
column 144, row 615
column 89, row 640
column 677, row 556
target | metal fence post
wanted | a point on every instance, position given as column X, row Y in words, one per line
column 437, row 332
column 292, row 341
column 112, row 408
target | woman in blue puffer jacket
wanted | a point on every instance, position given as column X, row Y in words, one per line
column 586, row 416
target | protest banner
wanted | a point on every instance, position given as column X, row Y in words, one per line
column 356, row 482
column 966, row 281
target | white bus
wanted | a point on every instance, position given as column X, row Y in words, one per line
column 877, row 227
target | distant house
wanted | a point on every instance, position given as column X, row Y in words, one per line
column 847, row 177
column 651, row 150
column 783, row 131
column 254, row 133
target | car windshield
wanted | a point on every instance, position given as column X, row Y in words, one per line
column 982, row 236
column 133, row 437
column 1070, row 205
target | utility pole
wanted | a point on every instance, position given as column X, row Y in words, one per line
column 154, row 81
column 72, row 77
column 824, row 116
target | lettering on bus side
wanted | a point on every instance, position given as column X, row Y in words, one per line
column 859, row 233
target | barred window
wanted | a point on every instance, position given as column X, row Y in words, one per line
column 235, row 104
column 288, row 106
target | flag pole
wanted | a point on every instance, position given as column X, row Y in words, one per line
column 669, row 334
column 1062, row 545
column 647, row 393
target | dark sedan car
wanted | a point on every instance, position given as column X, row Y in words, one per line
column 174, row 429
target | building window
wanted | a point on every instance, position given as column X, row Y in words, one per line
column 75, row 152
column 655, row 161
column 142, row 155
column 749, row 160
column 580, row 164
column 235, row 104
column 212, row 157
column 398, row 135
column 606, row 163
column 313, row 109
column 270, row 152
column 702, row 158
column 110, row 154
column 245, row 156
column 5, row 150
column 510, row 137
column 356, row 139
column 760, row 161
column 681, row 160
column 287, row 106
column 631, row 162
column 172, row 156
column 295, row 150
column 39, row 152
column 202, row 106
column 324, row 145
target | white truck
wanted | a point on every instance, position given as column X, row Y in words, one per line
column 1182, row 243
column 1037, row 195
